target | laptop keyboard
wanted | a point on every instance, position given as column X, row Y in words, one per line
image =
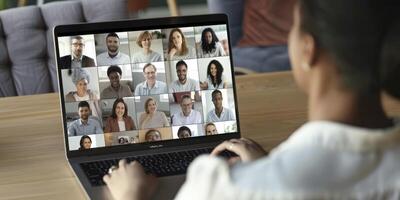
column 160, row 165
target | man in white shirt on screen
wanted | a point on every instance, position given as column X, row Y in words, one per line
column 219, row 113
column 187, row 115
column 183, row 83
column 112, row 56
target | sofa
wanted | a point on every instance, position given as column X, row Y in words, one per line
column 27, row 62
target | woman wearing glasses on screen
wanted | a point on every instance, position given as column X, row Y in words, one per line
column 119, row 119
column 178, row 48
column 152, row 118
column 215, row 78
column 344, row 55
column 209, row 45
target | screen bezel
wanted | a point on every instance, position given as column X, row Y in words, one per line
column 137, row 25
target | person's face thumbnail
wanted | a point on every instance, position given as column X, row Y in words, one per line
column 77, row 47
column 208, row 37
column 153, row 136
column 217, row 100
column 181, row 71
column 177, row 39
column 120, row 110
column 114, row 77
column 213, row 70
column 81, row 86
column 184, row 134
column 84, row 113
column 146, row 43
column 186, row 106
column 152, row 106
column 87, row 143
column 211, row 130
column 112, row 44
column 150, row 74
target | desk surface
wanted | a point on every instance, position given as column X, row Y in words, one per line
column 32, row 161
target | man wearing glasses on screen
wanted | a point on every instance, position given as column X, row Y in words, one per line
column 76, row 59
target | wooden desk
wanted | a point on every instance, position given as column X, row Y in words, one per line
column 32, row 162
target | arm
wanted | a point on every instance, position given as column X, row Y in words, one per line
column 165, row 120
column 107, row 129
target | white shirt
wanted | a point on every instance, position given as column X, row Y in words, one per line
column 104, row 59
column 190, row 85
column 218, row 51
column 180, row 119
column 226, row 115
column 212, row 87
column 121, row 126
column 158, row 88
column 140, row 57
column 321, row 160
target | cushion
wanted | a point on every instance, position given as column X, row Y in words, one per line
column 29, row 71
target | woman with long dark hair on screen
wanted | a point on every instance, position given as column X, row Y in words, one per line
column 178, row 49
column 85, row 142
column 215, row 78
column 209, row 45
column 344, row 55
column 119, row 119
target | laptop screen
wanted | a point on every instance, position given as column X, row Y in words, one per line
column 132, row 84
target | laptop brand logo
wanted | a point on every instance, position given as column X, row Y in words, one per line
column 156, row 146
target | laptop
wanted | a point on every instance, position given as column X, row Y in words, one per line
column 157, row 91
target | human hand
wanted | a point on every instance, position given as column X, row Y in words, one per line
column 129, row 181
column 172, row 52
column 246, row 149
column 204, row 85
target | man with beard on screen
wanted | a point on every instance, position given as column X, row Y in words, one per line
column 112, row 56
column 183, row 83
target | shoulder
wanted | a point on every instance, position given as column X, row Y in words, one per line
column 87, row 57
column 65, row 57
column 102, row 55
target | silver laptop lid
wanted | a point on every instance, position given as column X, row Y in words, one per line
column 145, row 84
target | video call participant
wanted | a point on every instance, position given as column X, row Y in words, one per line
column 147, row 54
column 209, row 45
column 76, row 59
column 112, row 56
column 151, row 85
column 210, row 129
column 219, row 113
column 152, row 135
column 81, row 79
column 84, row 125
column 177, row 46
column 119, row 119
column 123, row 140
column 184, row 132
column 152, row 118
column 183, row 83
column 85, row 142
column 115, row 89
column 187, row 115
column 215, row 78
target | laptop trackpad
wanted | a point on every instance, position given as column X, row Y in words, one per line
column 168, row 187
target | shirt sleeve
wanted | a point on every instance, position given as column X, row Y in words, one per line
column 207, row 178
column 71, row 130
